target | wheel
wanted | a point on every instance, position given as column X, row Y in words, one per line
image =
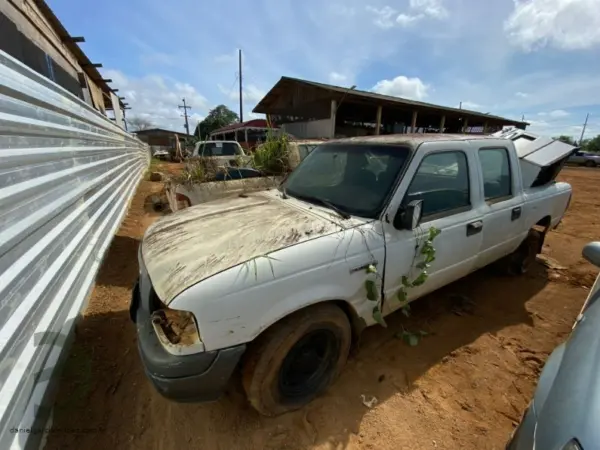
column 590, row 164
column 296, row 359
column 521, row 260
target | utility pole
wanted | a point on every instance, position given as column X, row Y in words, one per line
column 460, row 105
column 240, row 69
column 584, row 126
column 185, row 114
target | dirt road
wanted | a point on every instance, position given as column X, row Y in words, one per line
column 464, row 386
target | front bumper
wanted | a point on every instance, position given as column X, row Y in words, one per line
column 199, row 377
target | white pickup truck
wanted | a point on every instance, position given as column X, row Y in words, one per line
column 281, row 282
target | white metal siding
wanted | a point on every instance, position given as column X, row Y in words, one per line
column 67, row 175
column 310, row 129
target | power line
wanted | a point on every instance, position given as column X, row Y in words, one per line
column 185, row 114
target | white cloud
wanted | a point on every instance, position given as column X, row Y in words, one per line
column 558, row 113
column 156, row 98
column 563, row 24
column 337, row 78
column 402, row 86
column 522, row 94
column 431, row 8
column 417, row 11
column 470, row 105
column 384, row 17
column 405, row 20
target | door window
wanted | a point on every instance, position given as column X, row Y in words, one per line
column 442, row 182
column 495, row 168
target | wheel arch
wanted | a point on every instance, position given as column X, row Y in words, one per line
column 542, row 226
column 357, row 323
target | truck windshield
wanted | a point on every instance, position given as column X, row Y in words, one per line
column 355, row 178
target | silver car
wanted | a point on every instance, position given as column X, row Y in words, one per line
column 584, row 159
column 565, row 411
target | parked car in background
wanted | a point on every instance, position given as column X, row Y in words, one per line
column 226, row 153
column 564, row 413
column 280, row 282
column 163, row 155
column 584, row 159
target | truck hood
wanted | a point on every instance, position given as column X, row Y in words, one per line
column 188, row 246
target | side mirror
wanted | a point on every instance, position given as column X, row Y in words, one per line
column 409, row 216
column 591, row 252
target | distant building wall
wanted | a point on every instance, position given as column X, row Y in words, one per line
column 309, row 130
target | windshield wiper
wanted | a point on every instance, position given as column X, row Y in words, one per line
column 343, row 214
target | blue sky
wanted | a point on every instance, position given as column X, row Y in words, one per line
column 537, row 58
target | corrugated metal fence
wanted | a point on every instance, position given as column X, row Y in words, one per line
column 67, row 175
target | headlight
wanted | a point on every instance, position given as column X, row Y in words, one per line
column 177, row 331
column 573, row 444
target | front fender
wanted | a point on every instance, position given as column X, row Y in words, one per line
column 235, row 306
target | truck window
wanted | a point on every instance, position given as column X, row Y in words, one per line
column 442, row 182
column 495, row 168
column 357, row 178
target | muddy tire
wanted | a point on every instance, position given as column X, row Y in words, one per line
column 296, row 359
column 590, row 164
column 523, row 258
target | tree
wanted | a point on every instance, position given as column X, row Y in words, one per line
column 566, row 139
column 591, row 145
column 218, row 117
column 137, row 123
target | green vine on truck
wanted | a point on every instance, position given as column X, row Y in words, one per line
column 425, row 255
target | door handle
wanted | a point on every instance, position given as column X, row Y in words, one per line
column 474, row 227
column 516, row 213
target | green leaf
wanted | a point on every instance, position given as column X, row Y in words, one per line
column 420, row 279
column 406, row 282
column 406, row 310
column 429, row 258
column 371, row 269
column 433, row 233
column 423, row 265
column 412, row 339
column 401, row 295
column 378, row 317
column 371, row 290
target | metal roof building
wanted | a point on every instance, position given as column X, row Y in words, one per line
column 310, row 109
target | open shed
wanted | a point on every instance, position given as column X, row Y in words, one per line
column 308, row 109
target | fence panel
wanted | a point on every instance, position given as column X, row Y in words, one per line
column 67, row 174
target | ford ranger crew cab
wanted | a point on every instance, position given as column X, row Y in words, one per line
column 280, row 283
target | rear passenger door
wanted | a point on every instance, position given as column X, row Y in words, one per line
column 503, row 218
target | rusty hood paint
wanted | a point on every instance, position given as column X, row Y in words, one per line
column 188, row 246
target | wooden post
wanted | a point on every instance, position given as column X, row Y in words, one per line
column 485, row 127
column 378, row 126
column 465, row 125
column 333, row 114
column 413, row 125
column 442, row 123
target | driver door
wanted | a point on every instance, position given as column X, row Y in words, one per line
column 446, row 181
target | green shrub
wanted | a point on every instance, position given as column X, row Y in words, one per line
column 271, row 157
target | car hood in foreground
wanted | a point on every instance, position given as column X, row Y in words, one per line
column 570, row 407
column 188, row 246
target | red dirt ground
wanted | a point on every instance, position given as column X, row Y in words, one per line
column 464, row 386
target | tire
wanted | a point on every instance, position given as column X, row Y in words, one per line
column 318, row 336
column 590, row 164
column 523, row 258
